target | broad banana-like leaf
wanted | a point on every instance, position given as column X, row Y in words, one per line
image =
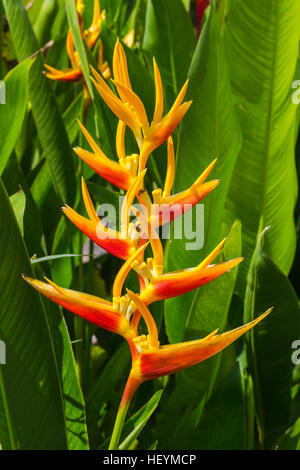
column 269, row 345
column 262, row 39
column 32, row 414
column 13, row 105
column 210, row 129
column 49, row 122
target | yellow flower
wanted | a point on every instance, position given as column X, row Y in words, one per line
column 129, row 108
column 90, row 36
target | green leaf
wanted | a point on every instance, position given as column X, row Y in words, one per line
column 210, row 129
column 52, row 133
column 269, row 344
column 72, row 394
column 195, row 385
column 12, row 112
column 41, row 185
column 43, row 181
column 13, row 178
column 171, row 38
column 48, row 119
column 18, row 202
column 24, row 39
column 262, row 40
column 31, row 405
column 43, row 21
column 290, row 440
column 221, row 427
column 102, row 390
column 134, row 425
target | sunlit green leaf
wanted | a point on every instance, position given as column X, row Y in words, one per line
column 12, row 109
column 269, row 344
column 31, row 402
column 262, row 39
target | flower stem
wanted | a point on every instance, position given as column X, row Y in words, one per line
column 130, row 388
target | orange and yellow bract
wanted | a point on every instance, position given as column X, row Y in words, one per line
column 90, row 36
column 123, row 314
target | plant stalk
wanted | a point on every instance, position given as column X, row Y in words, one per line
column 130, row 388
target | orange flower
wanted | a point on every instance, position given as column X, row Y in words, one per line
column 98, row 311
column 149, row 359
column 130, row 109
column 108, row 315
column 122, row 316
column 121, row 244
column 90, row 37
column 152, row 360
column 169, row 207
column 120, row 174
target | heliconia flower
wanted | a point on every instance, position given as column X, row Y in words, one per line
column 72, row 74
column 170, row 207
column 120, row 174
column 121, row 244
column 108, row 315
column 128, row 39
column 172, row 284
column 157, row 361
column 98, row 311
column 90, row 37
column 150, row 360
column 130, row 109
column 92, row 33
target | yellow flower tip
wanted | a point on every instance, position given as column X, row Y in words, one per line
column 148, row 318
column 254, row 322
column 94, row 146
column 88, row 202
column 203, row 189
column 94, row 72
column 220, row 245
column 124, row 271
column 28, row 279
column 128, row 39
column 234, row 262
column 59, row 289
column 210, row 335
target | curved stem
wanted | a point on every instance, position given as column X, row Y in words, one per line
column 130, row 388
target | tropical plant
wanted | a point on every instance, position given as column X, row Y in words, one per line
column 190, row 109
